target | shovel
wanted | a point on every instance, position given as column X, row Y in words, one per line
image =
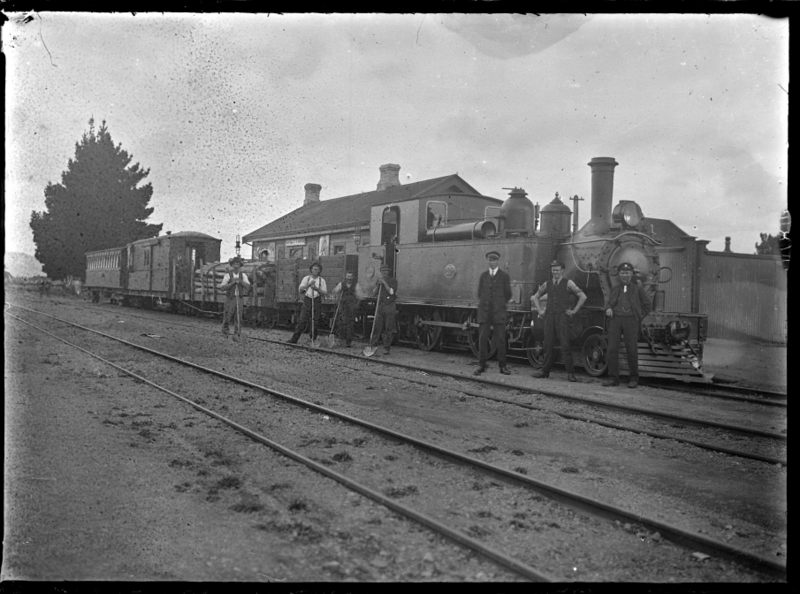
column 369, row 350
column 314, row 343
column 332, row 335
column 242, row 337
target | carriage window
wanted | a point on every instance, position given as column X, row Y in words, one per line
column 436, row 214
column 146, row 257
column 338, row 248
column 130, row 258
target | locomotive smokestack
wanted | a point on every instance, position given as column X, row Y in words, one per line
column 602, row 192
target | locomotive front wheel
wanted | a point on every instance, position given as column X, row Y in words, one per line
column 534, row 349
column 594, row 355
column 428, row 337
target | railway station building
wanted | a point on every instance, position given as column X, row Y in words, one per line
column 340, row 225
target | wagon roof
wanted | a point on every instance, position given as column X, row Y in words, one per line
column 356, row 207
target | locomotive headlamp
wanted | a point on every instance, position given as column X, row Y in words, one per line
column 627, row 214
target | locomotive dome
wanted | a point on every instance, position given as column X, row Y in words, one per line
column 517, row 212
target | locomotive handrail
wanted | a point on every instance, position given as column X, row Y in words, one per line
column 615, row 238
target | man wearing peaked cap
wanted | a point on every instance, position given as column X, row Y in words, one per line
column 386, row 312
column 235, row 284
column 627, row 305
column 494, row 291
column 557, row 318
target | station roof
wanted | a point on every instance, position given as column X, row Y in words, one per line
column 355, row 208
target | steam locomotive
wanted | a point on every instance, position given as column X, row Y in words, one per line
column 437, row 267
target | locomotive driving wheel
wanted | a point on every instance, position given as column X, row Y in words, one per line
column 595, row 348
column 428, row 337
column 534, row 349
column 473, row 337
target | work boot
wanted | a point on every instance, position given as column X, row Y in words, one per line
column 236, row 338
column 539, row 374
column 610, row 382
column 571, row 377
column 348, row 344
column 633, row 383
column 505, row 371
column 386, row 350
column 479, row 370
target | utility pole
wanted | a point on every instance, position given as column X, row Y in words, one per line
column 575, row 200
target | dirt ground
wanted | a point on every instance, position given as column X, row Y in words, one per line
column 109, row 479
column 752, row 365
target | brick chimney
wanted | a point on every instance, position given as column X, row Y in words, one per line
column 390, row 176
column 312, row 193
column 727, row 244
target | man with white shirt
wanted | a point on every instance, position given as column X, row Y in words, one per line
column 312, row 288
column 494, row 291
column 557, row 318
column 235, row 284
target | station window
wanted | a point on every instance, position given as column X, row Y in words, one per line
column 338, row 248
column 281, row 252
column 436, row 214
column 295, row 252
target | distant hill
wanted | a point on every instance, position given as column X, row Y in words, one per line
column 21, row 264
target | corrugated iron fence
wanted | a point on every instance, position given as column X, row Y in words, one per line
column 744, row 296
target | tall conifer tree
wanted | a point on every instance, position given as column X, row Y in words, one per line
column 98, row 204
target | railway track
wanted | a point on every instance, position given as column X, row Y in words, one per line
column 565, row 497
column 671, row 420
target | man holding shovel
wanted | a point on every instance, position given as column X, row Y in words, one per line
column 386, row 290
column 350, row 294
column 235, row 284
column 312, row 287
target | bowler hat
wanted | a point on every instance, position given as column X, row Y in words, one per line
column 556, row 263
column 315, row 264
column 236, row 260
column 493, row 255
column 625, row 266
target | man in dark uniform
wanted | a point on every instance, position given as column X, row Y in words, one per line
column 494, row 291
column 557, row 318
column 312, row 287
column 385, row 316
column 627, row 305
column 348, row 304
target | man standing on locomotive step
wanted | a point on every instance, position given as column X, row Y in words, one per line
column 494, row 291
column 235, row 284
column 557, row 318
column 351, row 294
column 627, row 306
column 312, row 287
column 385, row 313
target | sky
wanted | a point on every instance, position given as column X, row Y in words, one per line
column 233, row 114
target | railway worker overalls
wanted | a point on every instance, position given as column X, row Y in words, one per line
column 385, row 316
column 347, row 312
